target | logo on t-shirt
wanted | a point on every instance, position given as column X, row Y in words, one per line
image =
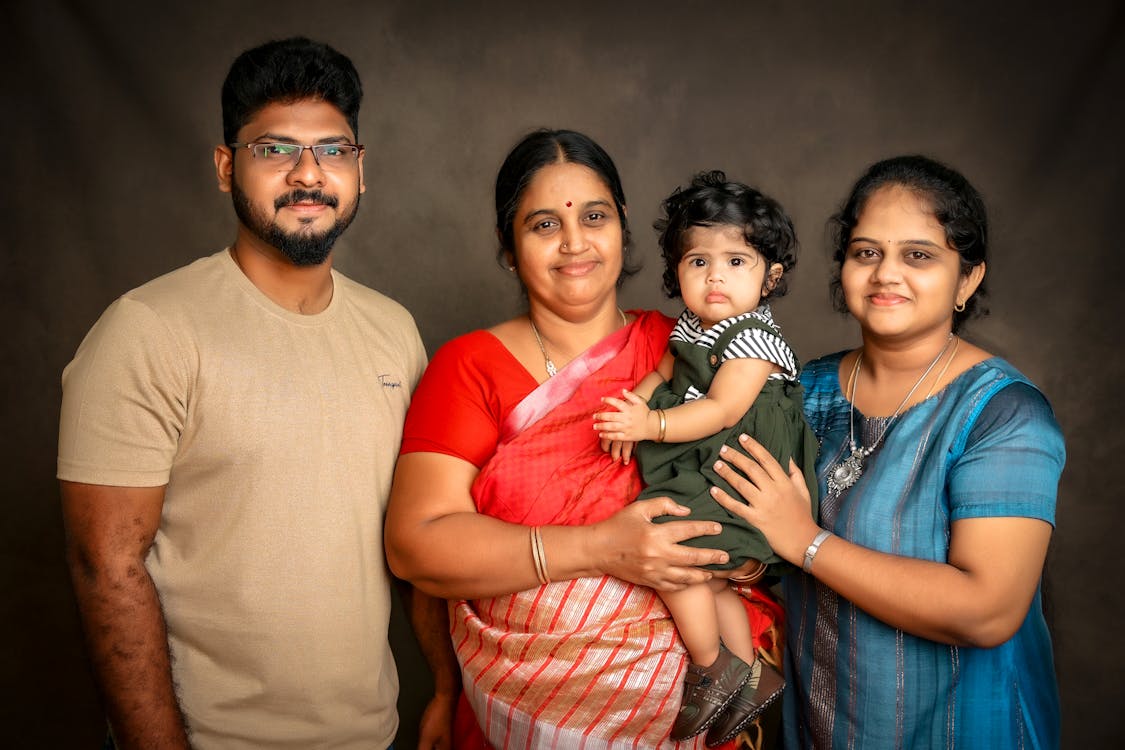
column 388, row 381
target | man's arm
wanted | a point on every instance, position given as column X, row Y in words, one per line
column 429, row 616
column 109, row 531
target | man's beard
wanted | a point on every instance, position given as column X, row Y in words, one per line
column 303, row 247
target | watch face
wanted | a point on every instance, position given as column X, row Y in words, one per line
column 810, row 553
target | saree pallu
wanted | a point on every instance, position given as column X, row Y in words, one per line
column 591, row 662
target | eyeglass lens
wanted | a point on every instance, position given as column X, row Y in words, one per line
column 287, row 155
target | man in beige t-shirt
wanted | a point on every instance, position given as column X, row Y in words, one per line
column 227, row 441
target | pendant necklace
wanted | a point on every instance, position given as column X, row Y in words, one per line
column 552, row 370
column 845, row 472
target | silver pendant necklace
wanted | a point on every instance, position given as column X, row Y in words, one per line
column 552, row 371
column 844, row 473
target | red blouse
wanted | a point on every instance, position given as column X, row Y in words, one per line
column 471, row 385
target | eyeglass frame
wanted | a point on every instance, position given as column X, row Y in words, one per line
column 301, row 154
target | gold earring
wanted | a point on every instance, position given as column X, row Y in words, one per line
column 959, row 307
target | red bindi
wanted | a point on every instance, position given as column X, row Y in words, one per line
column 568, row 204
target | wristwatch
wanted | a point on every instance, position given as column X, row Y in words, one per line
column 810, row 553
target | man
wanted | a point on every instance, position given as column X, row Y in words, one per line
column 227, row 441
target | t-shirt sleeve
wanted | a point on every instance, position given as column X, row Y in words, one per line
column 756, row 343
column 1012, row 460
column 415, row 353
column 125, row 401
column 455, row 409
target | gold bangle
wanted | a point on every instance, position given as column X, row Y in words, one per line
column 663, row 425
column 539, row 556
column 544, row 577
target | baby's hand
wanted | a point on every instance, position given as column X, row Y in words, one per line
column 628, row 423
column 619, row 450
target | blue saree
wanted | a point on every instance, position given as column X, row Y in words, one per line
column 985, row 446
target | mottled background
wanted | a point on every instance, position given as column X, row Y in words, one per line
column 111, row 111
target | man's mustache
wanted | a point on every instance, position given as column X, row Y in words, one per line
column 296, row 196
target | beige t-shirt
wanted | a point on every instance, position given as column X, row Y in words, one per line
column 276, row 434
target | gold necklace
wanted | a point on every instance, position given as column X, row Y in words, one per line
column 552, row 370
column 847, row 471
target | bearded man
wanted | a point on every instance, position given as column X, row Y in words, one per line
column 226, row 446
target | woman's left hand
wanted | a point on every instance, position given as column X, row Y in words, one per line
column 773, row 500
column 978, row 597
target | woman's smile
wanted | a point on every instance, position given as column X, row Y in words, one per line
column 886, row 299
column 577, row 268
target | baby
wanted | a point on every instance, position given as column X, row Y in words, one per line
column 727, row 371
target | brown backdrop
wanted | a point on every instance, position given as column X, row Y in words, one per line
column 110, row 113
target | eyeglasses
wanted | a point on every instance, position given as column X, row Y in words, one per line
column 286, row 156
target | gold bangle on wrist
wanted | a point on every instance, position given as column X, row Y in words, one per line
column 539, row 556
column 663, row 425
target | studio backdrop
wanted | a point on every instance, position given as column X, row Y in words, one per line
column 111, row 113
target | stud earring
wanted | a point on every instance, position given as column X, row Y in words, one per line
column 511, row 269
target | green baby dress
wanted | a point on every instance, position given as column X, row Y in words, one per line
column 684, row 471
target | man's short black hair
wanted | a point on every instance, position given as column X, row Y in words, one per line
column 288, row 71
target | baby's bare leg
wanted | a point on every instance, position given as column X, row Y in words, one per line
column 734, row 627
column 693, row 610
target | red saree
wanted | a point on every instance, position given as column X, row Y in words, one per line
column 591, row 662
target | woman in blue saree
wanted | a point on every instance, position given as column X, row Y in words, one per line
column 918, row 622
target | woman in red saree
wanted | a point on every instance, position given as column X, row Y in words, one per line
column 505, row 503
